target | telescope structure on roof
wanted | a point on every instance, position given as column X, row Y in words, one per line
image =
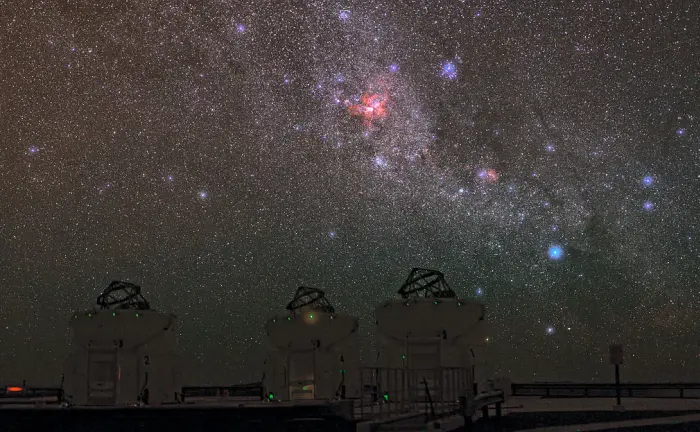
column 313, row 351
column 123, row 352
column 429, row 327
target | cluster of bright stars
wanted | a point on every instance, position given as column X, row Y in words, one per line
column 373, row 107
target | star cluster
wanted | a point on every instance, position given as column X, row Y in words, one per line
column 220, row 154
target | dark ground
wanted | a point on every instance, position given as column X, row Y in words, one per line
column 524, row 421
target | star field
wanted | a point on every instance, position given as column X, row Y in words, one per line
column 544, row 156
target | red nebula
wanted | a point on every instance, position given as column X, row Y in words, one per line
column 490, row 175
column 372, row 106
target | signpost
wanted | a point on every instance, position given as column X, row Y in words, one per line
column 617, row 358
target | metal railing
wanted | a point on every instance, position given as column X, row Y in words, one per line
column 52, row 395
column 641, row 390
column 393, row 392
column 243, row 392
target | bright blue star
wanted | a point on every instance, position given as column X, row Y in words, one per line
column 241, row 28
column 550, row 330
column 648, row 205
column 203, row 195
column 681, row 131
column 550, row 148
column 449, row 70
column 648, row 180
column 555, row 252
column 332, row 234
column 344, row 15
column 479, row 292
column 394, row 68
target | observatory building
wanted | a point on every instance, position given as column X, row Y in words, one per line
column 123, row 352
column 313, row 351
column 428, row 328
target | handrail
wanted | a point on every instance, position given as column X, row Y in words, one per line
column 605, row 389
column 518, row 389
column 430, row 392
column 27, row 393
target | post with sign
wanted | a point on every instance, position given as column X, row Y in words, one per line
column 616, row 358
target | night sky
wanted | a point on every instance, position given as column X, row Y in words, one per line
column 544, row 155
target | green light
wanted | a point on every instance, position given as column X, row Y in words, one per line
column 137, row 315
column 311, row 316
column 403, row 357
column 386, row 397
column 114, row 314
column 89, row 315
column 271, row 396
column 332, row 317
column 289, row 318
column 435, row 302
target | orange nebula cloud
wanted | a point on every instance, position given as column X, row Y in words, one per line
column 492, row 175
column 372, row 107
